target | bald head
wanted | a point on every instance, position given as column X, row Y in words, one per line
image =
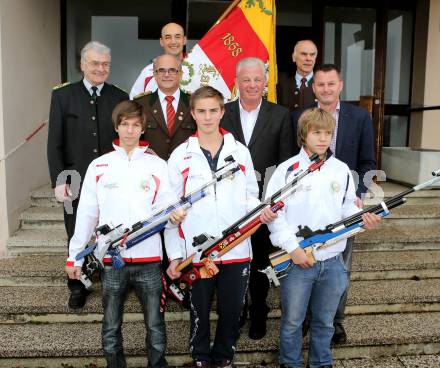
column 304, row 56
column 172, row 39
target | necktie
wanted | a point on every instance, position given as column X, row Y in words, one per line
column 94, row 94
column 302, row 88
column 171, row 114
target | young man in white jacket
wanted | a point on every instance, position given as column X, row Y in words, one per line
column 122, row 187
column 190, row 165
column 323, row 197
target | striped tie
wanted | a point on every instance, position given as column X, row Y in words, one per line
column 171, row 114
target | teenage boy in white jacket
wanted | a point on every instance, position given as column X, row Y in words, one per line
column 323, row 197
column 122, row 187
column 190, row 165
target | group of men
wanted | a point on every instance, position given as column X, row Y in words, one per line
column 81, row 129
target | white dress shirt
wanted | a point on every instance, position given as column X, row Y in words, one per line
column 335, row 115
column 90, row 85
column 248, row 120
column 298, row 78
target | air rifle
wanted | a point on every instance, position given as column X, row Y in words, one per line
column 333, row 233
column 112, row 240
column 208, row 248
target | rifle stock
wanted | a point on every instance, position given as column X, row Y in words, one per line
column 280, row 261
column 233, row 235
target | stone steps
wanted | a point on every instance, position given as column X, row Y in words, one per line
column 370, row 336
column 31, row 304
column 393, row 306
column 50, row 218
column 392, row 237
column 48, row 270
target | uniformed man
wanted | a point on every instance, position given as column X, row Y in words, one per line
column 294, row 91
column 172, row 40
column 169, row 121
column 80, row 130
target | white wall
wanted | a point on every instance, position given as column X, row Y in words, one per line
column 29, row 68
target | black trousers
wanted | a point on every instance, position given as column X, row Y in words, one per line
column 258, row 282
column 69, row 224
column 231, row 286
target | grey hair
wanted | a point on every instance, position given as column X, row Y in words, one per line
column 249, row 62
column 99, row 47
column 177, row 58
column 306, row 40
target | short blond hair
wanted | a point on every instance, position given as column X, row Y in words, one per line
column 314, row 118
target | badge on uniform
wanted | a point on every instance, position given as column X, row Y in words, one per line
column 335, row 186
column 145, row 186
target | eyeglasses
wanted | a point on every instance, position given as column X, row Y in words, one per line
column 170, row 71
column 97, row 64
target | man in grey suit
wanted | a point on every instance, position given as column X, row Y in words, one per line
column 266, row 129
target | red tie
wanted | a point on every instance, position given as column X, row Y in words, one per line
column 171, row 114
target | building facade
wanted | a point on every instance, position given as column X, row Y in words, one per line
column 387, row 50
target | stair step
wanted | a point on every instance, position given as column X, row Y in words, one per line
column 369, row 336
column 37, row 241
column 399, row 237
column 48, row 218
column 48, row 270
column 20, row 304
column 409, row 237
column 422, row 361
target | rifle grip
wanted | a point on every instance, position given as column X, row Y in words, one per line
column 309, row 253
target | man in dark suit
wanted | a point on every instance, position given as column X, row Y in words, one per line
column 265, row 128
column 352, row 143
column 80, row 130
column 295, row 90
column 169, row 121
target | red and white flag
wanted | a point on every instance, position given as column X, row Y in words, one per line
column 246, row 29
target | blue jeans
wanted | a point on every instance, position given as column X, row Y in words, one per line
column 347, row 256
column 146, row 279
column 321, row 286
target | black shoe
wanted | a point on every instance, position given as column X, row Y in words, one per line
column 77, row 299
column 224, row 364
column 201, row 364
column 257, row 329
column 340, row 336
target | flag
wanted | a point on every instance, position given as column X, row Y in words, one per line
column 246, row 29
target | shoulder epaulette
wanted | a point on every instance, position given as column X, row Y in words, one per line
column 58, row 86
column 115, row 85
column 146, row 93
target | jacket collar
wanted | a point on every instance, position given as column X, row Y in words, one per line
column 136, row 153
column 229, row 143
